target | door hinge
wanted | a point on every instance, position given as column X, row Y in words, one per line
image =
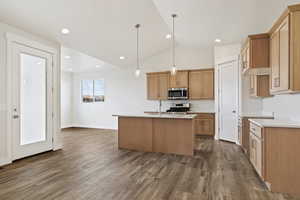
column 52, row 115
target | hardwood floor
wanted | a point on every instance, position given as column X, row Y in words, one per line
column 91, row 167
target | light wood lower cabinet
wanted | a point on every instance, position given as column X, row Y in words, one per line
column 205, row 124
column 244, row 133
column 274, row 153
column 256, row 152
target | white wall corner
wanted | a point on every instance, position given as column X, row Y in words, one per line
column 5, row 161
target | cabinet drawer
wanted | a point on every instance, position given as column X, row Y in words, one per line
column 256, row 130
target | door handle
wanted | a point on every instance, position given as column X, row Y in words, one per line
column 233, row 111
column 15, row 116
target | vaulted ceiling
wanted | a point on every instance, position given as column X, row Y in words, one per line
column 105, row 29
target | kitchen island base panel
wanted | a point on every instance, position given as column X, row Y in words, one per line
column 174, row 136
column 135, row 133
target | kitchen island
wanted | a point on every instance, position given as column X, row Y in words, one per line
column 164, row 133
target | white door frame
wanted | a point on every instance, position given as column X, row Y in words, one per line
column 11, row 39
column 217, row 90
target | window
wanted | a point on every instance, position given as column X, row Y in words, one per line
column 92, row 91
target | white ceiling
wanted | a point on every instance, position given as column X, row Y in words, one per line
column 75, row 61
column 200, row 22
column 105, row 29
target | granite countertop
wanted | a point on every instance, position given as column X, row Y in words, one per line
column 156, row 115
column 270, row 123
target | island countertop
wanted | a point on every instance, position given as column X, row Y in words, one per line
column 271, row 123
column 157, row 115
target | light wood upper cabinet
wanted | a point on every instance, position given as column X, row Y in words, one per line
column 259, row 85
column 201, row 84
column 285, row 51
column 163, row 80
column 157, row 86
column 255, row 52
column 179, row 80
column 274, row 61
column 152, row 87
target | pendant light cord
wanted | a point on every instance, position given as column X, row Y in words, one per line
column 137, row 46
column 173, row 41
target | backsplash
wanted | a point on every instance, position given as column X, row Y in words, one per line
column 285, row 107
column 203, row 105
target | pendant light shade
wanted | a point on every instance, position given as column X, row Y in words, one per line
column 138, row 70
column 173, row 69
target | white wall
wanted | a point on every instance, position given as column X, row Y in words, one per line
column 186, row 57
column 66, row 99
column 247, row 105
column 284, row 106
column 124, row 93
column 4, row 28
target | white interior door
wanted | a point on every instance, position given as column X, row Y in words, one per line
column 32, row 101
column 228, row 101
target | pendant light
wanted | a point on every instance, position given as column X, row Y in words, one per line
column 138, row 70
column 174, row 69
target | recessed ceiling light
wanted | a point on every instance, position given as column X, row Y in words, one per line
column 218, row 40
column 168, row 36
column 39, row 63
column 122, row 57
column 97, row 66
column 67, row 57
column 65, row 31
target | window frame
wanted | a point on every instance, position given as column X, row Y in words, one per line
column 93, row 89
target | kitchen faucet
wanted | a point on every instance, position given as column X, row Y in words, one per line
column 160, row 104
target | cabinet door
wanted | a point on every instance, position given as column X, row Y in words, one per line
column 163, row 80
column 274, row 61
column 152, row 87
column 179, row 80
column 240, row 134
column 204, row 127
column 247, row 57
column 258, row 157
column 252, row 149
column 280, row 57
column 284, row 55
column 253, row 85
column 201, row 84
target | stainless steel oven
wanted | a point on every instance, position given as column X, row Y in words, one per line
column 177, row 93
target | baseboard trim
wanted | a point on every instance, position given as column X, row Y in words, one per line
column 68, row 126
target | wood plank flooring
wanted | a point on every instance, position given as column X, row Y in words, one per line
column 91, row 167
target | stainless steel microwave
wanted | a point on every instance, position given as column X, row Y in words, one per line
column 177, row 93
